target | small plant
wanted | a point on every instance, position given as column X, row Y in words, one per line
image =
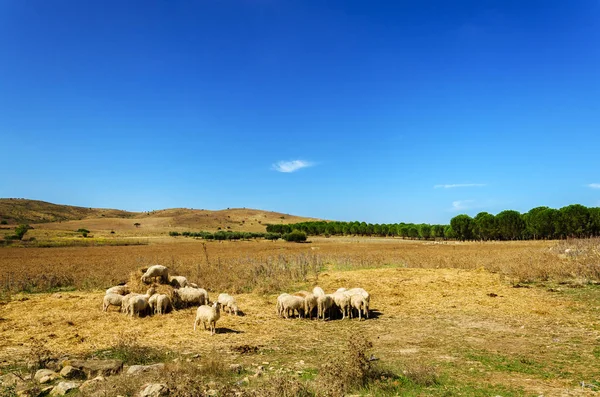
column 84, row 232
column 21, row 230
column 112, row 232
column 137, row 224
column 295, row 236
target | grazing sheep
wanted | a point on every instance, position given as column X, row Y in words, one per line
column 291, row 302
column 138, row 305
column 324, row 303
column 112, row 300
column 126, row 307
column 358, row 302
column 228, row 301
column 118, row 289
column 310, row 303
column 163, row 304
column 279, row 307
column 162, row 272
column 188, row 296
column 301, row 294
column 318, row 291
column 152, row 303
column 342, row 289
column 342, row 301
column 178, row 282
column 364, row 294
column 208, row 315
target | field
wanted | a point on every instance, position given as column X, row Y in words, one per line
column 513, row 318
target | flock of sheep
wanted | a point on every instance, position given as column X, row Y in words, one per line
column 346, row 301
column 185, row 294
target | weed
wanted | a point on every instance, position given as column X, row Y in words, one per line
column 127, row 349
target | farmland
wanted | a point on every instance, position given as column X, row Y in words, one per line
column 510, row 318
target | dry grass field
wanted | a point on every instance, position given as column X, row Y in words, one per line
column 513, row 318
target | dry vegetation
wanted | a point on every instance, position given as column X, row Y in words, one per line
column 476, row 319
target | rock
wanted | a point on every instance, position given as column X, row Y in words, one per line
column 53, row 365
column 142, row 369
column 10, row 379
column 93, row 368
column 45, row 375
column 235, row 368
column 63, row 388
column 91, row 384
column 154, row 390
column 70, row 372
column 212, row 392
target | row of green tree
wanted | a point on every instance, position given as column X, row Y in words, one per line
column 539, row 223
column 293, row 235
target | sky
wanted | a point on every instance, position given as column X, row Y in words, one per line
column 376, row 111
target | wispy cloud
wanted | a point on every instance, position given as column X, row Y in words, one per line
column 291, row 166
column 594, row 185
column 461, row 205
column 453, row 185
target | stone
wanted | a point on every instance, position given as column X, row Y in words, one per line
column 142, row 369
column 45, row 375
column 154, row 390
column 93, row 368
column 70, row 372
column 91, row 384
column 62, row 388
column 235, row 368
column 10, row 379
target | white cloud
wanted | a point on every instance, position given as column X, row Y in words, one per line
column 461, row 205
column 453, row 185
column 291, row 166
column 594, row 185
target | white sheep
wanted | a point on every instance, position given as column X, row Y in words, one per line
column 118, row 289
column 342, row 301
column 228, row 301
column 178, row 282
column 342, row 289
column 301, row 294
column 324, row 304
column 364, row 294
column 126, row 305
column 318, row 291
column 160, row 271
column 152, row 303
column 310, row 303
column 279, row 307
column 208, row 315
column 163, row 304
column 112, row 300
column 291, row 302
column 359, row 303
column 188, row 296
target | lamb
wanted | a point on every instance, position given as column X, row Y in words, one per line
column 208, row 315
column 178, row 282
column 118, row 289
column 318, row 291
column 188, row 296
column 359, row 303
column 162, row 272
column 364, row 294
column 228, row 301
column 112, row 300
column 342, row 301
column 291, row 302
column 324, row 303
column 310, row 303
column 163, row 304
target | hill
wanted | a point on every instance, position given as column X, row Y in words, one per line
column 49, row 216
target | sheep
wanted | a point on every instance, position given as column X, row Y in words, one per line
column 154, row 271
column 310, row 303
column 112, row 299
column 138, row 305
column 208, row 315
column 163, row 304
column 364, row 294
column 118, row 289
column 318, row 291
column 342, row 301
column 126, row 305
column 359, row 303
column 188, row 296
column 291, row 302
column 178, row 282
column 324, row 303
column 279, row 307
column 301, row 294
column 152, row 303
column 342, row 289
column 228, row 301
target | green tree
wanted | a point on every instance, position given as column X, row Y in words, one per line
column 510, row 225
column 463, row 226
column 575, row 220
column 413, row 232
column 425, row 231
column 21, row 230
column 485, row 226
column 540, row 221
column 295, row 236
column 449, row 232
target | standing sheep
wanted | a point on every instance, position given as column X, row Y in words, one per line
column 112, row 300
column 163, row 304
column 342, row 301
column 310, row 303
column 358, row 302
column 291, row 302
column 228, row 301
column 324, row 303
column 208, row 315
column 364, row 294
column 118, row 289
column 160, row 271
column 188, row 296
column 279, row 307
column 318, row 291
column 178, row 282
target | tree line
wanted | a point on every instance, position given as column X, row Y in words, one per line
column 539, row 223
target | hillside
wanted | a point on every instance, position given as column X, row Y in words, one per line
column 49, row 216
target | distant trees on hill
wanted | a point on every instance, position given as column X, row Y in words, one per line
column 539, row 223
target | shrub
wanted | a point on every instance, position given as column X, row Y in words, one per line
column 273, row 236
column 174, row 234
column 295, row 236
column 21, row 230
column 3, row 222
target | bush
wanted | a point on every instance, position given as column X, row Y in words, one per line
column 3, row 222
column 272, row 236
column 21, row 230
column 174, row 234
column 295, row 236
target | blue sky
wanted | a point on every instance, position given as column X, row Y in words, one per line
column 409, row 111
